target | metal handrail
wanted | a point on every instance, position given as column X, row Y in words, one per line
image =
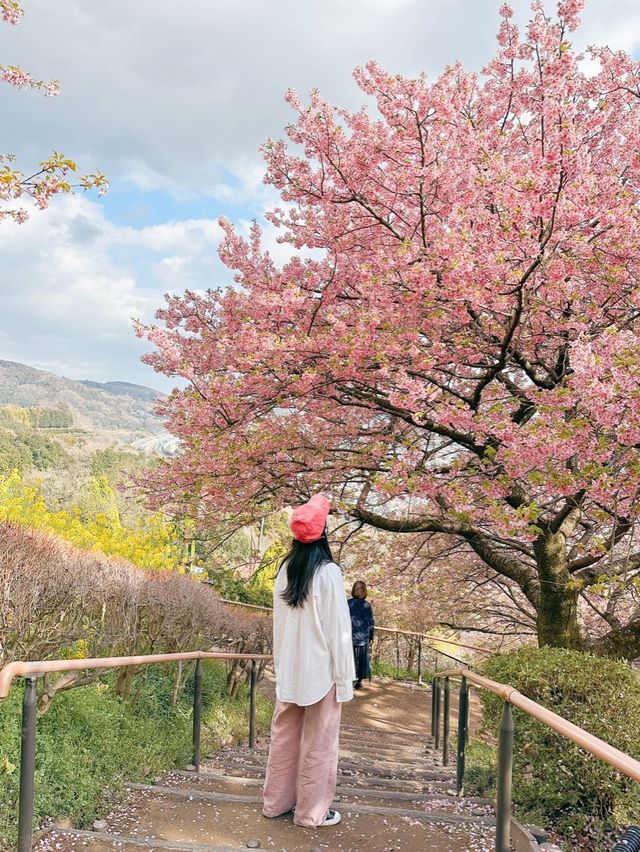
column 31, row 671
column 618, row 760
column 421, row 637
column 383, row 630
column 432, row 638
column 242, row 603
column 18, row 668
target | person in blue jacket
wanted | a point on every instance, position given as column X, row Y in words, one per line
column 362, row 626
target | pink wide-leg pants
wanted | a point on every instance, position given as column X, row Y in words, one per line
column 302, row 767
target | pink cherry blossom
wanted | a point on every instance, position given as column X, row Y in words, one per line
column 459, row 355
column 11, row 11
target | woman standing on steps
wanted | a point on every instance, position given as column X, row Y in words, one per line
column 313, row 659
column 362, row 625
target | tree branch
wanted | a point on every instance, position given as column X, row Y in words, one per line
column 480, row 543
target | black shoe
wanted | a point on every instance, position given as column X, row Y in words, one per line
column 358, row 684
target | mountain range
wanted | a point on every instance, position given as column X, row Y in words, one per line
column 96, row 406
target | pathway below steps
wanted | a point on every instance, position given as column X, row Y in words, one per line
column 393, row 793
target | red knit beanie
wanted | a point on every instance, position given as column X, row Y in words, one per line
column 309, row 520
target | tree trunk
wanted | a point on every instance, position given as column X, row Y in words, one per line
column 177, row 682
column 411, row 654
column 557, row 609
column 63, row 682
column 557, row 619
column 124, row 681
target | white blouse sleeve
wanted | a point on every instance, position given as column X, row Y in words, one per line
column 336, row 625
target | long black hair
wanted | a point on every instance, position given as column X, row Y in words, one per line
column 302, row 562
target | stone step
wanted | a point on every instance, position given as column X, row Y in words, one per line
column 404, row 760
column 345, row 767
column 386, row 730
column 412, row 752
column 437, row 816
column 421, row 754
column 151, row 819
column 208, row 780
column 98, row 841
column 375, row 738
column 234, row 786
column 419, row 762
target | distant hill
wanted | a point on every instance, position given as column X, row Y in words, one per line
column 95, row 405
column 124, row 389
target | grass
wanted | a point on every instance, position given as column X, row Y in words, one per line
column 481, row 764
column 91, row 742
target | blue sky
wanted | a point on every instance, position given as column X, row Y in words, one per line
column 172, row 101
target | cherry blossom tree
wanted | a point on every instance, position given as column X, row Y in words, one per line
column 424, row 583
column 453, row 347
column 55, row 174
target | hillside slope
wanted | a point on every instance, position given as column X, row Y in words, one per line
column 95, row 406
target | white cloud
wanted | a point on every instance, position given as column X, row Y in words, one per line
column 179, row 97
column 68, row 295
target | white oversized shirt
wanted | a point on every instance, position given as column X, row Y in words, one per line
column 312, row 647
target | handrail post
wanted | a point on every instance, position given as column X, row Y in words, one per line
column 436, row 733
column 252, row 704
column 419, row 660
column 463, row 722
column 433, row 706
column 397, row 655
column 445, row 724
column 505, row 769
column 27, row 763
column 197, row 714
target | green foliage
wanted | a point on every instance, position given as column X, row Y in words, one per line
column 51, row 418
column 480, row 769
column 229, row 585
column 14, row 455
column 36, row 416
column 22, row 449
column 94, row 524
column 261, row 585
column 91, row 742
column 115, row 464
column 258, row 596
column 222, row 560
column 555, row 782
column 257, row 551
column 45, row 452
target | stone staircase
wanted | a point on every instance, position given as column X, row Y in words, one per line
column 393, row 792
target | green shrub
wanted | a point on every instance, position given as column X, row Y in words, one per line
column 23, row 449
column 556, row 782
column 480, row 769
column 60, row 417
column 91, row 742
column 45, row 452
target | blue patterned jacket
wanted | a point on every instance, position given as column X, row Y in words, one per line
column 362, row 622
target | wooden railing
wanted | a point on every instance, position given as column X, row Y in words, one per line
column 431, row 638
column 31, row 671
column 621, row 762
